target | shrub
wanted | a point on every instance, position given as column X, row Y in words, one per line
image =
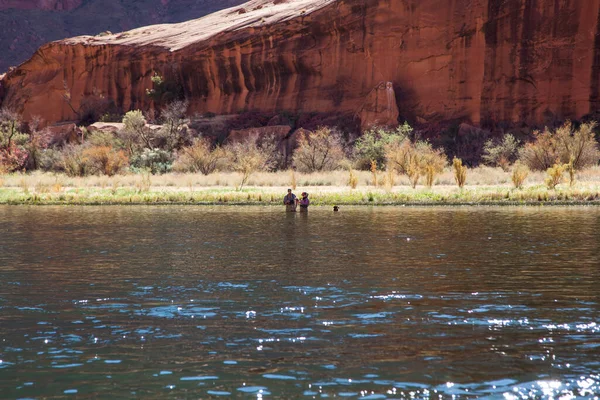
column 460, row 172
column 249, row 156
column 174, row 131
column 501, row 154
column 555, row 175
column 415, row 160
column 371, row 145
column 156, row 161
column 374, row 172
column 352, row 179
column 13, row 154
column 101, row 138
column 560, row 146
column 135, row 134
column 320, row 150
column 12, row 158
column 578, row 147
column 519, row 174
column 36, row 146
column 105, row 160
column 432, row 164
column 74, row 162
column 199, row 157
column 50, row 160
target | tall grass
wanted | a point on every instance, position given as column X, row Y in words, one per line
column 342, row 196
column 331, row 180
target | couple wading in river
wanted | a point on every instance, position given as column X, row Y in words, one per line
column 291, row 202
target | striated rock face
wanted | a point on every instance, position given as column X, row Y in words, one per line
column 479, row 61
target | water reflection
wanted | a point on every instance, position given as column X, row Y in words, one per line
column 365, row 303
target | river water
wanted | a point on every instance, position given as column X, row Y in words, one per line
column 200, row 302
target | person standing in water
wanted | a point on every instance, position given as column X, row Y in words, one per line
column 304, row 202
column 291, row 201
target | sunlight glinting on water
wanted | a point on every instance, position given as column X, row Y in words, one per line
column 176, row 316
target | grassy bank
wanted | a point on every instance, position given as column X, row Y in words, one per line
column 486, row 186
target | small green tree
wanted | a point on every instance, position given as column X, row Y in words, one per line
column 371, row 145
column 135, row 133
column 501, row 154
column 156, row 161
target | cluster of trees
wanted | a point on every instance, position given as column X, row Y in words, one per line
column 171, row 147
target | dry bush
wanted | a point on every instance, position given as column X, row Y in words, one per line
column 519, row 174
column 174, row 132
column 199, row 157
column 562, row 145
column 555, row 175
column 415, row 160
column 432, row 164
column 74, row 162
column 321, row 150
column 352, row 179
column 105, row 160
column 460, row 172
column 374, row 173
column 249, row 156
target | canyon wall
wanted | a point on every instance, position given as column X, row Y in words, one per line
column 480, row 61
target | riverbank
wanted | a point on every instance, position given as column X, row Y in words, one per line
column 323, row 196
column 485, row 186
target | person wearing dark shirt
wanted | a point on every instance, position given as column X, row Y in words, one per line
column 291, row 201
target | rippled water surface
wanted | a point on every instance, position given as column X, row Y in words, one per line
column 186, row 302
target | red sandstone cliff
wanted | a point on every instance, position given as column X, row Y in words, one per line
column 476, row 60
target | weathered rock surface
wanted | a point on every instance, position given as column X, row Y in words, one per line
column 64, row 132
column 379, row 108
column 479, row 61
